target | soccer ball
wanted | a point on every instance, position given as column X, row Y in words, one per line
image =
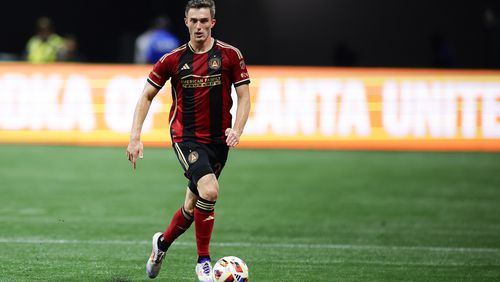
column 230, row 269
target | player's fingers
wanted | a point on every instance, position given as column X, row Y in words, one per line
column 233, row 141
column 133, row 160
column 228, row 130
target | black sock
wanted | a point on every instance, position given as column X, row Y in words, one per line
column 162, row 245
column 203, row 258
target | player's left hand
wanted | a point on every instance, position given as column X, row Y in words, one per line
column 232, row 137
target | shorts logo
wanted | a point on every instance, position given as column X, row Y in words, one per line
column 214, row 63
column 193, row 157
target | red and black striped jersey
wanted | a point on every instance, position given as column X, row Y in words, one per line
column 201, row 90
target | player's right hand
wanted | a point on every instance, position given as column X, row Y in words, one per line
column 135, row 151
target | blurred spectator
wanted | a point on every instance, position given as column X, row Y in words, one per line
column 70, row 52
column 155, row 42
column 45, row 45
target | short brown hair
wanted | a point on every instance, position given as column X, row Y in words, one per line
column 197, row 4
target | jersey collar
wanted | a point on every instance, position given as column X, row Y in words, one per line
column 192, row 50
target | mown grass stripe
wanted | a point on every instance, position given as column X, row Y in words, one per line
column 258, row 245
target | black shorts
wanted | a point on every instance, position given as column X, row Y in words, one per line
column 199, row 159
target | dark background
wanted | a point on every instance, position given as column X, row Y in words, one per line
column 366, row 33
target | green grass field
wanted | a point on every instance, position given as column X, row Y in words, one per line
column 82, row 214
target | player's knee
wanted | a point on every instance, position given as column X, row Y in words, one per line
column 211, row 192
column 189, row 202
column 208, row 187
column 189, row 208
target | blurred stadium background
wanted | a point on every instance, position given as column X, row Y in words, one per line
column 371, row 152
column 388, row 33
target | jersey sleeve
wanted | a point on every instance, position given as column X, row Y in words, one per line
column 161, row 72
column 239, row 73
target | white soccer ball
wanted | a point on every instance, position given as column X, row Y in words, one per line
column 230, row 268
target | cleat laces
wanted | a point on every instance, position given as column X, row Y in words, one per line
column 159, row 256
column 206, row 268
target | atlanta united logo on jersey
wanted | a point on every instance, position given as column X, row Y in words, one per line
column 214, row 63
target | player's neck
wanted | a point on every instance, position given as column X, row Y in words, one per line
column 203, row 47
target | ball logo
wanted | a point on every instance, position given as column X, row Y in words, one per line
column 217, row 274
column 223, row 262
column 214, row 63
column 236, row 266
column 193, row 157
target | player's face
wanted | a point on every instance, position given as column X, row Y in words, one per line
column 199, row 23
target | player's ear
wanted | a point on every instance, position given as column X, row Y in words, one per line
column 186, row 21
column 213, row 22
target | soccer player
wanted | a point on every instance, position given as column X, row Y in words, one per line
column 201, row 72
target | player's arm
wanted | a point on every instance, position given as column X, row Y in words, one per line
column 135, row 147
column 242, row 112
